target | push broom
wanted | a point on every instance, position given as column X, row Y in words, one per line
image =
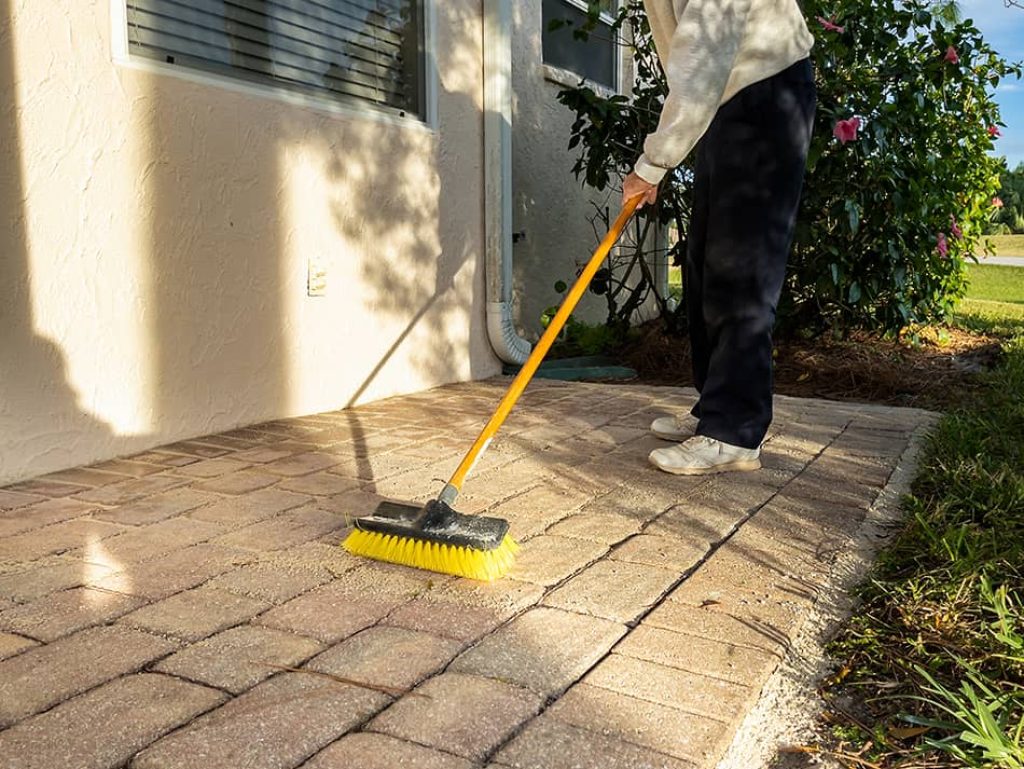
column 434, row 536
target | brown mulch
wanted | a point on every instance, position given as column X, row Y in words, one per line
column 934, row 369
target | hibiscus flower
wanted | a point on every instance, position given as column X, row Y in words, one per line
column 830, row 25
column 846, row 130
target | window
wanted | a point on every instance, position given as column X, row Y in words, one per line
column 595, row 58
column 367, row 51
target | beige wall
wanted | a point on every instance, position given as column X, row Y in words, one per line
column 549, row 204
column 155, row 234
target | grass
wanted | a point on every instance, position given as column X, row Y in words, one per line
column 996, row 283
column 933, row 672
column 995, row 300
column 935, row 655
column 1006, row 245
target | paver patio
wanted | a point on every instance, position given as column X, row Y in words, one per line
column 190, row 606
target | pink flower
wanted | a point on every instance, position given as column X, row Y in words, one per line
column 830, row 25
column 954, row 228
column 994, row 132
column 997, row 202
column 942, row 246
column 952, row 56
column 846, row 130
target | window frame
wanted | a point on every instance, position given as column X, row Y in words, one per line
column 353, row 108
column 569, row 78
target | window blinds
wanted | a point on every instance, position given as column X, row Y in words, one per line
column 369, row 50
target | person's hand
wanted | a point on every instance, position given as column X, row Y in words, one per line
column 633, row 185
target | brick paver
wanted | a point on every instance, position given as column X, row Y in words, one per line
column 699, row 654
column 391, row 657
column 12, row 500
column 548, row 560
column 29, row 581
column 289, row 528
column 544, row 650
column 250, row 508
column 61, row 614
column 157, row 508
column 41, row 514
column 11, row 644
column 551, row 744
column 128, row 491
column 466, row 715
column 239, row 482
column 615, row 590
column 239, row 658
column 78, row 733
column 195, row 614
column 340, row 609
column 652, row 725
column 189, row 606
column 379, row 751
column 173, row 572
column 147, row 542
column 267, row 583
column 279, row 723
column 45, row 675
column 668, row 686
column 58, row 538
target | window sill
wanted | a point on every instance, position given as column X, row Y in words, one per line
column 571, row 80
column 324, row 105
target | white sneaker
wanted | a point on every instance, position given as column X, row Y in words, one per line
column 673, row 428
column 701, row 455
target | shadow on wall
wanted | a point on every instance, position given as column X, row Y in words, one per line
column 396, row 211
column 33, row 371
column 418, row 199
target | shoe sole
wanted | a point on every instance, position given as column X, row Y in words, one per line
column 745, row 465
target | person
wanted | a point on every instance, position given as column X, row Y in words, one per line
column 741, row 90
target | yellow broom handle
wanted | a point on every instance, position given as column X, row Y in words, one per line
column 533, row 362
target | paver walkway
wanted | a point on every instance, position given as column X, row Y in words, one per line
column 190, row 606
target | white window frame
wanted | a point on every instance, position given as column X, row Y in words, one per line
column 570, row 79
column 121, row 55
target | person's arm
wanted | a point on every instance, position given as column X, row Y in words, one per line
column 700, row 61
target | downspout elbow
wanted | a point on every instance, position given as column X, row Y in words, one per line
column 505, row 340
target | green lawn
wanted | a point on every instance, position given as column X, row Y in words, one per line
column 1005, row 245
column 995, row 299
column 996, row 283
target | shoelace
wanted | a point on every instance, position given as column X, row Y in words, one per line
column 703, row 440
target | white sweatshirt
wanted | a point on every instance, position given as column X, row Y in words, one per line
column 710, row 50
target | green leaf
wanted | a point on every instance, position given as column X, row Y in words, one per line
column 853, row 214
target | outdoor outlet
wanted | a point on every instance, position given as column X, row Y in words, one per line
column 317, row 280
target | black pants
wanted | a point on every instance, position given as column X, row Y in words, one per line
column 749, row 174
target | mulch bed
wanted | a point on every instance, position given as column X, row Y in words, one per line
column 935, row 369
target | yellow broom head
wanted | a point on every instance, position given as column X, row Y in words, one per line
column 435, row 538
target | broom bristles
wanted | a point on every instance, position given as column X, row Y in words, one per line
column 485, row 565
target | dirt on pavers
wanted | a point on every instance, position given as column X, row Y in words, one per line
column 930, row 369
column 645, row 616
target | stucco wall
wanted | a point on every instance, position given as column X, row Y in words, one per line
column 550, row 207
column 155, row 236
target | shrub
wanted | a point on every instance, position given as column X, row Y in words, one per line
column 888, row 218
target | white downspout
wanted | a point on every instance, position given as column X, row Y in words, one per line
column 497, row 50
